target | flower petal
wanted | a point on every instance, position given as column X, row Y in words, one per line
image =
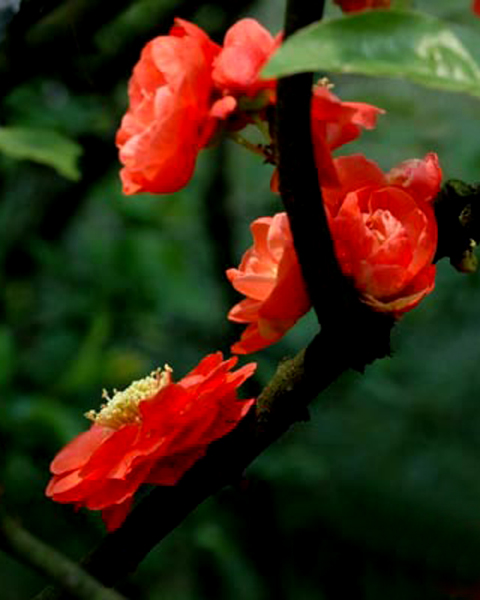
column 275, row 300
column 246, row 48
column 103, row 468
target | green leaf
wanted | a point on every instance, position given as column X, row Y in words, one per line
column 391, row 43
column 43, row 146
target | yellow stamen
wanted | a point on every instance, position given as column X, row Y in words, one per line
column 325, row 82
column 122, row 407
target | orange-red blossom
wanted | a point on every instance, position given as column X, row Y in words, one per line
column 186, row 89
column 182, row 90
column 270, row 278
column 152, row 432
column 385, row 237
column 384, row 229
column 333, row 124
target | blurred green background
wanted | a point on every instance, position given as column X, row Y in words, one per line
column 378, row 496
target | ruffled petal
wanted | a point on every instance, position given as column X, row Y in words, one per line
column 78, row 452
column 171, row 430
column 246, row 48
column 421, row 178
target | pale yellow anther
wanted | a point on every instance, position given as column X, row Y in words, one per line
column 122, row 407
column 326, row 83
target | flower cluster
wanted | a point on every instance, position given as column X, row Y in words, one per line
column 151, row 432
column 184, row 93
column 385, row 237
column 184, row 89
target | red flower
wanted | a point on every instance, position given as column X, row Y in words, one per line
column 168, row 119
column 476, row 7
column 334, row 123
column 358, row 5
column 183, row 87
column 385, row 237
column 384, row 229
column 152, row 432
column 269, row 276
column 246, row 49
column 236, row 73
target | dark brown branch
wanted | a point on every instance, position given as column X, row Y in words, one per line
column 296, row 383
column 18, row 542
column 358, row 331
column 352, row 335
column 301, row 193
column 283, row 402
column 457, row 209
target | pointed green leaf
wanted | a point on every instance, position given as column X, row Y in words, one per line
column 391, row 43
column 43, row 146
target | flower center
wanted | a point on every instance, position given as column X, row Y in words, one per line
column 122, row 407
column 382, row 224
column 326, row 83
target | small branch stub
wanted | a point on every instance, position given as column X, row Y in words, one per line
column 457, row 208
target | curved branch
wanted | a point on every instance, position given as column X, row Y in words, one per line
column 18, row 542
column 353, row 327
column 295, row 384
column 283, row 402
column 352, row 336
column 299, row 187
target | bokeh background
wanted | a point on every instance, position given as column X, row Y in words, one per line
column 378, row 495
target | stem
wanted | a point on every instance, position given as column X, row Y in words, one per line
column 262, row 126
column 298, row 176
column 352, row 335
column 255, row 148
column 355, row 329
column 17, row 541
column 295, row 384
